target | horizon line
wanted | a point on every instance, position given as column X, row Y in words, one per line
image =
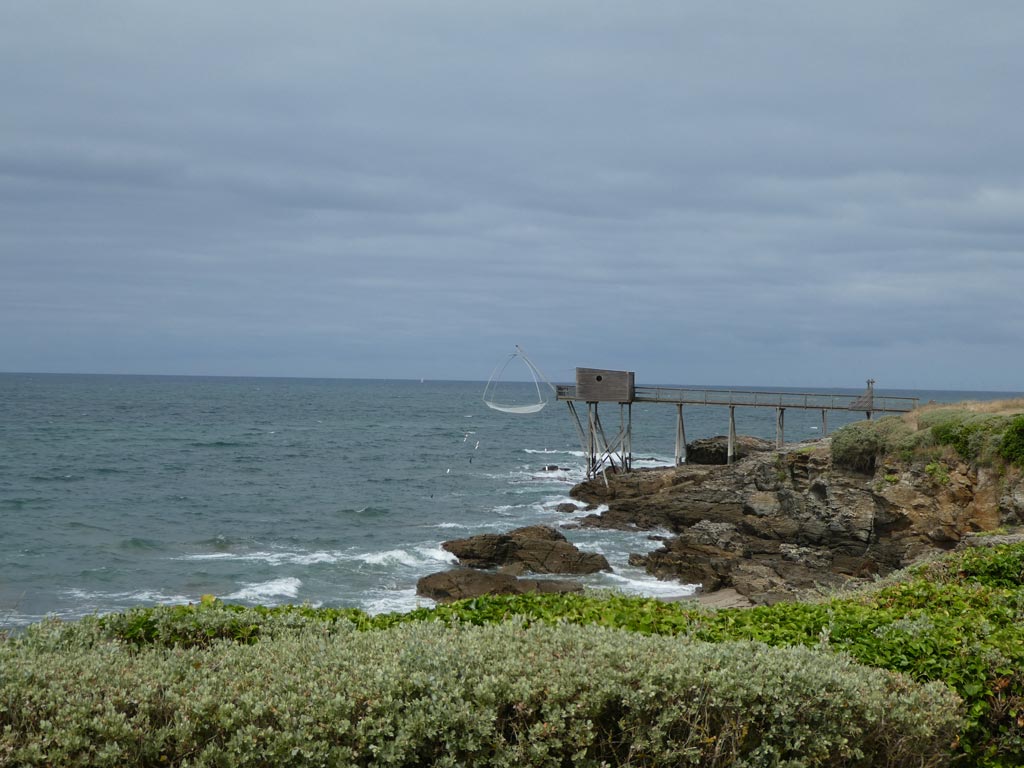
column 423, row 380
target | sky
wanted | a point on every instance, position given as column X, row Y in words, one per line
column 794, row 194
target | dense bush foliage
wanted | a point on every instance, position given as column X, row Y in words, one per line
column 956, row 620
column 427, row 694
column 975, row 437
column 856, row 446
column 1011, row 446
column 980, row 438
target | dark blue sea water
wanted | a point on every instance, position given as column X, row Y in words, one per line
column 124, row 490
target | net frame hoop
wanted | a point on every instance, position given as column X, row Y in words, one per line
column 499, row 370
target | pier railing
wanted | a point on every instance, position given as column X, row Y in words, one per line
column 751, row 398
column 617, row 452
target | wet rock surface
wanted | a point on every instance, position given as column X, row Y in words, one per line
column 493, row 563
column 533, row 549
column 780, row 522
column 715, row 450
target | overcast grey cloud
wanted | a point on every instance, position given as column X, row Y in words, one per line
column 786, row 193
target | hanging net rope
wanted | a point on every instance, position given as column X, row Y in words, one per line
column 518, row 396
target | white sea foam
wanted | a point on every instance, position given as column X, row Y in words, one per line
column 509, row 507
column 418, row 557
column 286, row 587
column 310, row 558
column 561, row 476
column 549, row 505
column 652, row 462
column 138, row 596
column 507, row 511
column 271, row 558
column 534, row 476
column 388, row 557
column 577, row 454
column 639, row 584
column 436, row 554
column 395, row 601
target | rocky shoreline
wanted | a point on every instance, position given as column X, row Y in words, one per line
column 769, row 527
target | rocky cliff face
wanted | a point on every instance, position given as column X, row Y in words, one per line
column 778, row 522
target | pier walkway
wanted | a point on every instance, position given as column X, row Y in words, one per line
column 594, row 386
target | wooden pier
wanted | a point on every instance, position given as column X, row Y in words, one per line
column 594, row 386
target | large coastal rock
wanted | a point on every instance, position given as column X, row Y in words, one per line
column 505, row 556
column 464, row 583
column 533, row 549
column 778, row 522
column 715, row 450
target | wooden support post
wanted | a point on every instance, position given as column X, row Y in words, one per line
column 626, row 435
column 629, row 437
column 592, row 439
column 680, row 436
column 578, row 424
column 824, row 423
column 780, row 418
column 730, row 453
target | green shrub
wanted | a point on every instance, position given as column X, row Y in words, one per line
column 206, row 622
column 1011, row 446
column 938, row 471
column 425, row 694
column 997, row 567
column 975, row 437
column 856, row 447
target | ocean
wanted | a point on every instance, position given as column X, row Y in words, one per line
column 117, row 491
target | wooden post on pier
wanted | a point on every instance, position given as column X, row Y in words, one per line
column 626, row 430
column 680, row 436
column 824, row 423
column 592, row 438
column 730, row 454
column 780, row 419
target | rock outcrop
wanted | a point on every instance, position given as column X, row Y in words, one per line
column 493, row 562
column 533, row 549
column 779, row 522
column 463, row 583
column 715, row 450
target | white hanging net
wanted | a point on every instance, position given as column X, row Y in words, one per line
column 516, row 397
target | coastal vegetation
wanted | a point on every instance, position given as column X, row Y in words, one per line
column 984, row 434
column 922, row 668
